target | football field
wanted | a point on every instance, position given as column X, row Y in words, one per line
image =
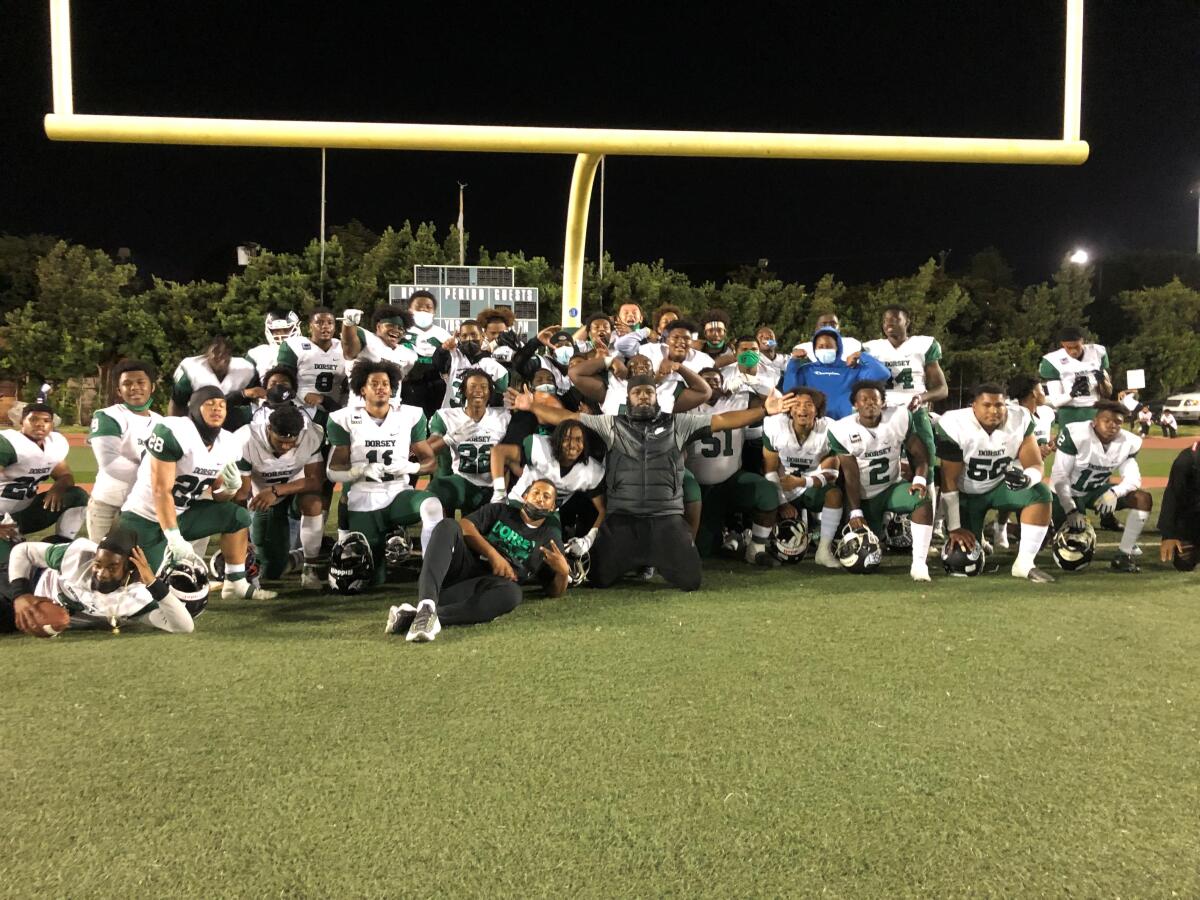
column 787, row 732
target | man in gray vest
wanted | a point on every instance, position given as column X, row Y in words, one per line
column 644, row 480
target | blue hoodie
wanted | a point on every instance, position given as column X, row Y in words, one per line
column 837, row 379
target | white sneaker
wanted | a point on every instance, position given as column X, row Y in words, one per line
column 400, row 618
column 425, row 625
column 825, row 557
column 242, row 589
column 1137, row 551
column 310, row 580
column 919, row 572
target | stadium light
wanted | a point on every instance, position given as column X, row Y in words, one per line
column 1080, row 257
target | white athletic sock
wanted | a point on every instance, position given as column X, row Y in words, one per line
column 1000, row 534
column 1031, row 542
column 235, row 572
column 922, row 537
column 312, row 529
column 70, row 521
column 431, row 514
column 1134, row 523
column 830, row 519
column 760, row 533
column 343, row 533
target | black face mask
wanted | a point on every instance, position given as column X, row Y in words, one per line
column 472, row 350
column 534, row 512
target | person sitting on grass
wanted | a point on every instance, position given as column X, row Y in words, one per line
column 473, row 569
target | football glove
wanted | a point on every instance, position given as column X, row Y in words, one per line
column 352, row 316
column 373, row 472
column 1076, row 520
column 1015, row 479
column 231, row 478
column 404, row 467
column 1107, row 503
column 1081, row 387
column 178, row 548
column 580, row 545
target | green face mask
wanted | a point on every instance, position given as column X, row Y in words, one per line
column 748, row 359
column 145, row 406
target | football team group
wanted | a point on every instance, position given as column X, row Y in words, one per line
column 632, row 447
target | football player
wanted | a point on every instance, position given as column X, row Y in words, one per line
column 466, row 435
column 1179, row 517
column 384, row 343
column 803, row 469
column 27, row 458
column 118, row 440
column 465, row 352
column 610, row 392
column 424, row 386
column 280, row 325
column 725, row 487
column 676, row 345
column 186, row 458
column 373, row 445
column 317, row 361
column 283, row 472
column 747, row 369
column 870, row 443
column 716, row 340
column 236, row 377
column 769, row 355
column 1026, row 391
column 473, row 570
column 1077, row 376
column 105, row 585
column 1088, row 454
column 990, row 460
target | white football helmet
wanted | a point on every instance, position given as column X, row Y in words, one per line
column 279, row 326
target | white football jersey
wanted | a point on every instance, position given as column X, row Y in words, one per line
column 374, row 349
column 778, row 366
column 264, row 357
column 25, row 466
column 1060, row 369
column 1091, row 463
column 68, row 581
column 695, row 359
column 986, row 457
column 372, row 441
column 617, row 395
column 264, row 466
column 585, row 475
column 718, row 457
column 194, row 372
column 471, row 442
column 878, row 450
column 175, row 439
column 1043, row 421
column 459, row 364
column 796, row 457
column 762, row 382
column 130, row 430
column 318, row 371
column 423, row 341
column 906, row 364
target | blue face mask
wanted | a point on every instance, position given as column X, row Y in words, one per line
column 825, row 355
column 563, row 354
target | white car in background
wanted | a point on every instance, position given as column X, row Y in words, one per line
column 1184, row 407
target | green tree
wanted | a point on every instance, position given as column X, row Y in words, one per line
column 1165, row 339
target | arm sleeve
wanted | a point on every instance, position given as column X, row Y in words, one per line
column 934, row 353
column 181, row 389
column 25, row 557
column 1060, row 477
column 791, row 376
column 110, row 460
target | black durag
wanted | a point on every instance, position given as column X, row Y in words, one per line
column 208, row 433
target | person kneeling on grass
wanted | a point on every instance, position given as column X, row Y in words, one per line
column 473, row 569
column 99, row 586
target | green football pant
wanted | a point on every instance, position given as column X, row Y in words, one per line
column 691, row 487
column 271, row 534
column 456, row 493
column 1067, row 415
column 376, row 524
column 203, row 518
column 35, row 517
column 895, row 499
column 973, row 508
column 922, row 427
column 812, row 500
column 741, row 492
column 1085, row 502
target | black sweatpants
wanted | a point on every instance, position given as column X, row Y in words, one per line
column 628, row 542
column 460, row 583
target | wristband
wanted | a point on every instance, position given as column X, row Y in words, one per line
column 1035, row 474
column 919, row 481
column 856, row 514
column 953, row 515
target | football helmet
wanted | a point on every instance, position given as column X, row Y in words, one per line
column 579, row 568
column 1073, row 548
column 216, row 566
column 963, row 563
column 351, row 564
column 897, row 531
column 789, row 540
column 279, row 328
column 397, row 549
column 859, row 551
column 188, row 580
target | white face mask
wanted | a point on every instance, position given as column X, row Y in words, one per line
column 825, row 355
column 563, row 354
column 422, row 319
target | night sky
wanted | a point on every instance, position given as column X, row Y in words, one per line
column 953, row 68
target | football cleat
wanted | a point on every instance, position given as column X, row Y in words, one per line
column 425, row 625
column 1034, row 574
column 647, row 573
column 826, row 557
column 351, row 564
column 859, row 551
column 400, row 618
column 761, row 558
column 242, row 589
column 1073, row 548
column 789, row 541
column 963, row 563
column 310, row 579
column 1124, row 562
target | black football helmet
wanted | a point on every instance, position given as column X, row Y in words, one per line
column 897, row 531
column 859, row 551
column 1073, row 548
column 188, row 580
column 351, row 564
column 579, row 568
column 790, row 540
column 397, row 549
column 963, row 563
